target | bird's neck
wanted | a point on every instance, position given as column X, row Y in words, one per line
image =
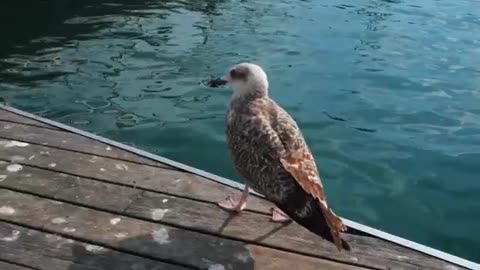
column 249, row 94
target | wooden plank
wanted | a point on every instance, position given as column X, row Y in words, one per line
column 127, row 173
column 15, row 118
column 149, row 239
column 9, row 266
column 44, row 251
column 70, row 188
column 207, row 217
column 69, row 141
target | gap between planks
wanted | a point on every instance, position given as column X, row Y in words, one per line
column 62, row 240
column 177, row 226
column 10, row 265
column 278, row 242
column 388, row 237
column 62, row 139
column 178, row 245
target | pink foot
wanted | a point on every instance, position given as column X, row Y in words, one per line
column 233, row 204
column 278, row 215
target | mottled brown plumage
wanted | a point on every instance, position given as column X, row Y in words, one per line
column 270, row 153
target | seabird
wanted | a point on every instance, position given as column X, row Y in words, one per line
column 270, row 153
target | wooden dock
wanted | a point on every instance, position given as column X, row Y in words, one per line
column 68, row 202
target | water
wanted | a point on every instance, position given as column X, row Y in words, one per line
column 386, row 92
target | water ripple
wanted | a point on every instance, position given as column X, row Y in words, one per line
column 386, row 92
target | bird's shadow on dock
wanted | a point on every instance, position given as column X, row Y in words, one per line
column 182, row 250
column 232, row 215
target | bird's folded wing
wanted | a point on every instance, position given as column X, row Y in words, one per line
column 301, row 165
column 277, row 135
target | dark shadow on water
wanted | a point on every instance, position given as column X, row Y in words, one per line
column 24, row 20
column 31, row 27
column 181, row 252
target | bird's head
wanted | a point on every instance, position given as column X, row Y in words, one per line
column 244, row 79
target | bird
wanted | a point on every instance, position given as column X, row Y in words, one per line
column 270, row 153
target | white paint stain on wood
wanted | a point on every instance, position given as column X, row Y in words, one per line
column 108, row 148
column 8, row 144
column 52, row 165
column 102, row 169
column 69, row 229
column 164, row 200
column 14, row 168
column 58, row 220
column 31, row 157
column 121, row 235
column 94, row 248
column 216, row 266
column 2, row 177
column 7, row 210
column 242, row 256
column 161, row 236
column 121, row 166
column 115, row 221
column 12, row 237
column 44, row 153
column 63, row 242
column 158, row 214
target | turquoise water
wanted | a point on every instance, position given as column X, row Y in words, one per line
column 386, row 92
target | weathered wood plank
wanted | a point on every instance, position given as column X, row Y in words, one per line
column 9, row 266
column 46, row 251
column 207, row 217
column 15, row 118
column 149, row 239
column 127, row 173
column 69, row 141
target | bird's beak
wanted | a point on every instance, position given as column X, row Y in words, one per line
column 218, row 82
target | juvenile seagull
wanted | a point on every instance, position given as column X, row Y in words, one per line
column 270, row 153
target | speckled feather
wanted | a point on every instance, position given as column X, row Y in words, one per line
column 270, row 153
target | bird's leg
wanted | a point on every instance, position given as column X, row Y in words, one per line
column 278, row 215
column 235, row 204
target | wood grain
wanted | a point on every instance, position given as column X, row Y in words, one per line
column 9, row 266
column 208, row 218
column 69, row 192
column 15, row 118
column 45, row 251
column 148, row 239
column 127, row 173
column 69, row 141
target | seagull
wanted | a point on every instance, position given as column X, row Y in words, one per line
column 270, row 153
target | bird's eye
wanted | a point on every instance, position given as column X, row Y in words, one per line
column 233, row 73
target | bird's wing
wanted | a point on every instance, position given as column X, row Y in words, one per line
column 300, row 163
